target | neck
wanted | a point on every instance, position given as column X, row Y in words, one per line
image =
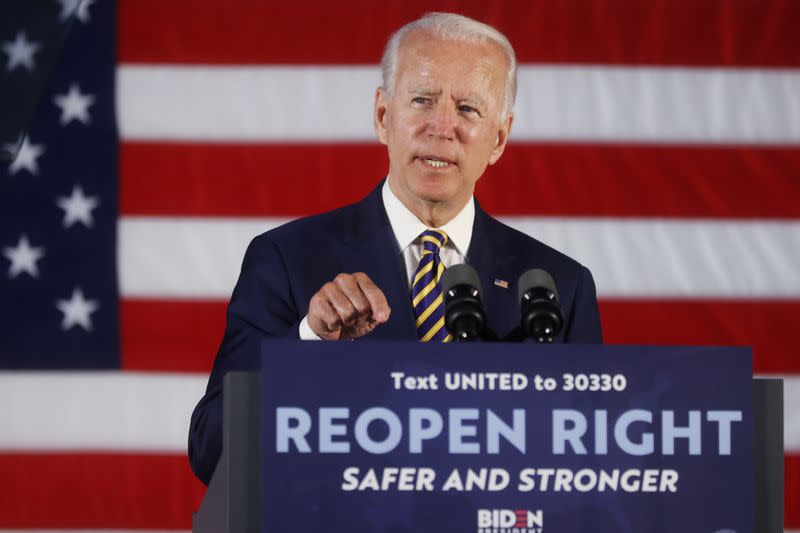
column 433, row 214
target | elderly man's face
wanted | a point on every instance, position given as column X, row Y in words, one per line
column 442, row 123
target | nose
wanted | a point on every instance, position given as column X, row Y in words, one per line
column 442, row 121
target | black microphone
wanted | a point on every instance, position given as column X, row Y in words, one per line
column 464, row 317
column 538, row 300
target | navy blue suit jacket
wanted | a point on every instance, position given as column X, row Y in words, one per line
column 283, row 268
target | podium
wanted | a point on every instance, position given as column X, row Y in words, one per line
column 236, row 496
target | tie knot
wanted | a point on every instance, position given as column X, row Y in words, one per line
column 433, row 240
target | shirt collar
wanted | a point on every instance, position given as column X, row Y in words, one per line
column 407, row 227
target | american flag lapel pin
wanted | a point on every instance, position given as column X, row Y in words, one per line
column 503, row 284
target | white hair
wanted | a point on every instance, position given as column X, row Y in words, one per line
column 450, row 26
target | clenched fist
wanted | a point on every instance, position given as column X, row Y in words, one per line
column 348, row 307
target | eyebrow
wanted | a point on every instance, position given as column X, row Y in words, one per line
column 476, row 101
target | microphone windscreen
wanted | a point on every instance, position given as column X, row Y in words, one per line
column 536, row 277
column 462, row 274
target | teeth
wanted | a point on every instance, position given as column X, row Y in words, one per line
column 436, row 164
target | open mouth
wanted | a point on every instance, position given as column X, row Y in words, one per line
column 435, row 162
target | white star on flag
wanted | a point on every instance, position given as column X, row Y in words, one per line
column 20, row 52
column 26, row 157
column 77, row 310
column 78, row 207
column 23, row 258
column 79, row 7
column 74, row 105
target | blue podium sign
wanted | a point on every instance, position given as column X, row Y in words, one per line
column 505, row 438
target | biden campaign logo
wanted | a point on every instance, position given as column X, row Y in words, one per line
column 510, row 521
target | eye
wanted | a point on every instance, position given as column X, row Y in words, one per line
column 464, row 108
column 420, row 100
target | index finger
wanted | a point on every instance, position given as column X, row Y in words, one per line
column 375, row 297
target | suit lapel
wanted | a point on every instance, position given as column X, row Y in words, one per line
column 370, row 247
column 494, row 262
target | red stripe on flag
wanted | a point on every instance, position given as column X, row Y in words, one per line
column 530, row 179
column 165, row 335
column 791, row 491
column 245, row 180
column 190, row 332
column 770, row 327
column 114, row 491
column 658, row 32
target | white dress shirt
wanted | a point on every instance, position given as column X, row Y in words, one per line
column 407, row 229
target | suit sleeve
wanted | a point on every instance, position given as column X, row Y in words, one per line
column 583, row 325
column 261, row 307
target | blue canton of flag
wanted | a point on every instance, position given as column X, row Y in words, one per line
column 59, row 303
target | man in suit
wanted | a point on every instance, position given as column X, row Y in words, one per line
column 371, row 269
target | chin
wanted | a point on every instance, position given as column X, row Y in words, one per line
column 435, row 190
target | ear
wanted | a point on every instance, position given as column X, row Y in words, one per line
column 379, row 116
column 502, row 137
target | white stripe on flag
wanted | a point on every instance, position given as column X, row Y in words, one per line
column 678, row 258
column 201, row 258
column 184, row 257
column 138, row 411
column 791, row 413
column 334, row 104
column 97, row 410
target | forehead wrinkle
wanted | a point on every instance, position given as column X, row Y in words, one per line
column 476, row 85
column 426, row 91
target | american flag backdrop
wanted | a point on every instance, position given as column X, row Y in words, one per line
column 656, row 142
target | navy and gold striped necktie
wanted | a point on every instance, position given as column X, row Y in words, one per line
column 426, row 293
